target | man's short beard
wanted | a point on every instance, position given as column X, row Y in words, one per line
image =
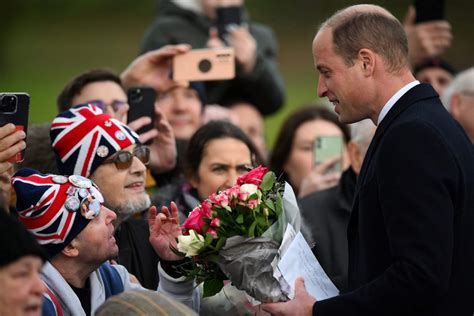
column 134, row 206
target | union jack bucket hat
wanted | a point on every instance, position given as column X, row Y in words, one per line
column 83, row 137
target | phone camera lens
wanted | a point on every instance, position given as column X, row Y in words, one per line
column 136, row 96
column 8, row 103
column 205, row 65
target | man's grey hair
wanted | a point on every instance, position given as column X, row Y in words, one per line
column 362, row 133
column 463, row 82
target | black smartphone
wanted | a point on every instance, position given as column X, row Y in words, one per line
column 14, row 108
column 227, row 16
column 429, row 10
column 142, row 103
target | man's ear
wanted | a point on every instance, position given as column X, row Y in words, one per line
column 355, row 157
column 367, row 60
column 455, row 106
column 71, row 250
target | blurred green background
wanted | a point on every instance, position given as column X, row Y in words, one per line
column 44, row 43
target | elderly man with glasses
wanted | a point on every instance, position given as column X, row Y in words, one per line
column 90, row 143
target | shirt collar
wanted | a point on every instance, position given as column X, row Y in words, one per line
column 391, row 102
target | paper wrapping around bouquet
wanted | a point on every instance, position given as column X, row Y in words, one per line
column 247, row 263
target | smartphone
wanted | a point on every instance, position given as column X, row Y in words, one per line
column 142, row 103
column 226, row 16
column 429, row 10
column 14, row 108
column 326, row 147
column 204, row 64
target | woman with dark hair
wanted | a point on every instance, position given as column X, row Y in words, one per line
column 293, row 154
column 217, row 154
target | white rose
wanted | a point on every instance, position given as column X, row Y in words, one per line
column 190, row 244
column 248, row 188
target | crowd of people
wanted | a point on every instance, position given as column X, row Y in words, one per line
column 89, row 218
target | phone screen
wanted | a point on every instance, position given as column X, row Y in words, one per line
column 14, row 108
column 326, row 147
column 429, row 10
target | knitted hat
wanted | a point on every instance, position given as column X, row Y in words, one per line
column 83, row 137
column 55, row 209
column 16, row 242
column 138, row 302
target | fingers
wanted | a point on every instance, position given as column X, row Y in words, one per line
column 174, row 211
column 139, row 123
column 410, row 17
column 167, row 51
column 300, row 288
column 272, row 308
column 151, row 134
column 327, row 164
column 151, row 214
column 165, row 211
column 5, row 166
column 11, row 143
column 7, row 130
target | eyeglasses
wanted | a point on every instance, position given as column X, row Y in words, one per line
column 115, row 104
column 123, row 158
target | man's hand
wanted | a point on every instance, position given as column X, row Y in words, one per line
column 301, row 305
column 164, row 229
column 427, row 39
column 11, row 143
column 163, row 151
column 153, row 69
column 244, row 45
column 319, row 178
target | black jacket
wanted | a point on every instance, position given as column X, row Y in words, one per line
column 263, row 87
column 411, row 232
column 324, row 216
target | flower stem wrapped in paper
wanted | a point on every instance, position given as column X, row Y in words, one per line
column 235, row 234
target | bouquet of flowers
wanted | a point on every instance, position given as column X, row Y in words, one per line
column 235, row 235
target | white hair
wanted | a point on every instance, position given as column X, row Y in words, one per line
column 464, row 81
column 362, row 133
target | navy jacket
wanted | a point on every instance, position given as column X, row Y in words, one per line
column 411, row 232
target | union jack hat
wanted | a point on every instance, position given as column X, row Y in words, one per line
column 54, row 208
column 83, row 137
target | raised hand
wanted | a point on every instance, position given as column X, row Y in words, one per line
column 164, row 229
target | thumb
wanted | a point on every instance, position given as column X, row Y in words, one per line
column 410, row 17
column 213, row 33
column 300, row 288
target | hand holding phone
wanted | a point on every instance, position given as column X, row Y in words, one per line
column 14, row 109
column 227, row 17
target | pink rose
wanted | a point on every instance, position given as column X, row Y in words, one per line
column 215, row 222
column 254, row 176
column 251, row 204
column 206, row 208
column 195, row 220
column 213, row 232
column 221, row 199
column 233, row 192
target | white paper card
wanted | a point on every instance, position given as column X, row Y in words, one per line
column 299, row 261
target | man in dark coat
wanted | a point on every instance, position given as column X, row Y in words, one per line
column 258, row 80
column 411, row 232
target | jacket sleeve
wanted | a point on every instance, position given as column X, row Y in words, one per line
column 416, row 178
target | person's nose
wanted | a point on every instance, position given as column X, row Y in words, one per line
column 179, row 103
column 322, row 88
column 38, row 286
column 137, row 166
column 231, row 178
column 110, row 215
